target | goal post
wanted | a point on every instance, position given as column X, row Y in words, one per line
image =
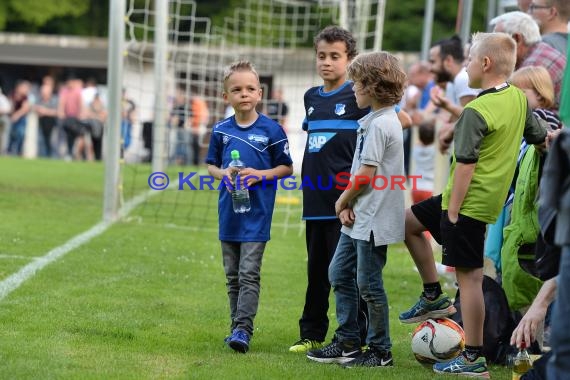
column 172, row 56
column 112, row 182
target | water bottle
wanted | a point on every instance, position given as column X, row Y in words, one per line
column 521, row 362
column 240, row 195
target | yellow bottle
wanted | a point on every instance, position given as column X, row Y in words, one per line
column 522, row 362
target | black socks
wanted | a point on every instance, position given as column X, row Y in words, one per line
column 432, row 290
column 471, row 353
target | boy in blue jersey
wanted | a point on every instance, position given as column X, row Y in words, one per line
column 331, row 123
column 264, row 148
column 371, row 217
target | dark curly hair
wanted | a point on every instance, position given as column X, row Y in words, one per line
column 335, row 33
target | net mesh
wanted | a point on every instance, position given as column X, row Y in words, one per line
column 274, row 35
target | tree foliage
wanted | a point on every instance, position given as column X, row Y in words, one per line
column 402, row 27
column 31, row 15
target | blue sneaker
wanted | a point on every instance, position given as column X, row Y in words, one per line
column 425, row 309
column 463, row 367
column 238, row 341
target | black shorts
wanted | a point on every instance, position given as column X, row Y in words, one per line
column 462, row 242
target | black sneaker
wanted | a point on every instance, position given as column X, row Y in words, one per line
column 336, row 352
column 372, row 358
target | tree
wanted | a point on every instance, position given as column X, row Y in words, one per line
column 32, row 14
column 404, row 20
column 402, row 27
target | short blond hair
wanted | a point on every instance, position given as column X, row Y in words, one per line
column 380, row 74
column 500, row 48
column 239, row 66
column 537, row 79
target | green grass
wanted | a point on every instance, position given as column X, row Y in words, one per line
column 146, row 299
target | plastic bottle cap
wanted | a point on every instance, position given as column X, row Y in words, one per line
column 523, row 345
column 235, row 154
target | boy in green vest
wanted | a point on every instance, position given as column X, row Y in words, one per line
column 486, row 144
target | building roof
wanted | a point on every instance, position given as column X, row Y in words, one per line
column 47, row 50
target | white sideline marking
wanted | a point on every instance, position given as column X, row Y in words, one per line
column 16, row 257
column 13, row 282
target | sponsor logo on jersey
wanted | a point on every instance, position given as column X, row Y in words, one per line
column 258, row 138
column 310, row 111
column 340, row 109
column 318, row 140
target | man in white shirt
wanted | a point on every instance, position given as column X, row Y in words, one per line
column 446, row 59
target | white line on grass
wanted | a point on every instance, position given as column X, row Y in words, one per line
column 14, row 281
column 15, row 257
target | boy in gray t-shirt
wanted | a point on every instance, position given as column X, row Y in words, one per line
column 371, row 210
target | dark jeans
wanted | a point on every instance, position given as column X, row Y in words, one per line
column 559, row 363
column 73, row 129
column 242, row 264
column 321, row 238
column 47, row 123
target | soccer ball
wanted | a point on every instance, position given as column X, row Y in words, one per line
column 437, row 340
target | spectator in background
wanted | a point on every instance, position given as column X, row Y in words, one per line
column 46, row 108
column 555, row 195
column 128, row 108
column 277, row 109
column 96, row 117
column 552, row 19
column 199, row 123
column 89, row 91
column 70, row 110
column 524, row 5
column 416, row 98
column 18, row 118
column 421, row 77
column 5, row 109
column 179, row 120
column 531, row 51
column 446, row 58
column 423, row 156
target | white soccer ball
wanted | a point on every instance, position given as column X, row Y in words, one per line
column 437, row 340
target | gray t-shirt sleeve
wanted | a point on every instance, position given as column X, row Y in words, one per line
column 468, row 136
column 534, row 129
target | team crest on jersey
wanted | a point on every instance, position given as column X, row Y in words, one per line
column 286, row 149
column 340, row 109
column 225, row 139
column 258, row 138
column 310, row 111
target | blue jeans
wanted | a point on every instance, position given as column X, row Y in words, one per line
column 242, row 264
column 559, row 364
column 367, row 261
column 17, row 136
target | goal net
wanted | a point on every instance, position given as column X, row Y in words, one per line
column 276, row 36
